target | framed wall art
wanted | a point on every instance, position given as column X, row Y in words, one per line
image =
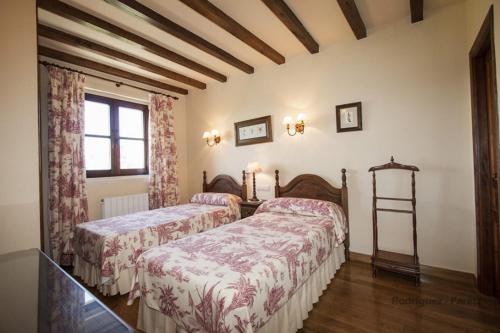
column 349, row 117
column 252, row 131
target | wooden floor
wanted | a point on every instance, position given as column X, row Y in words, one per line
column 355, row 302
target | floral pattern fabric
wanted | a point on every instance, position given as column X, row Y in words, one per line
column 68, row 205
column 234, row 278
column 163, row 182
column 114, row 244
column 308, row 207
column 219, row 199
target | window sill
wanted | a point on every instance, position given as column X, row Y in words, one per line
column 115, row 178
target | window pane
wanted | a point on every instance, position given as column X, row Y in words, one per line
column 131, row 154
column 96, row 118
column 97, row 153
column 131, row 123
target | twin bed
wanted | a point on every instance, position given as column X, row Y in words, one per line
column 262, row 273
column 106, row 250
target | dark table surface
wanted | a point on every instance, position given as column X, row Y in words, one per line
column 36, row 295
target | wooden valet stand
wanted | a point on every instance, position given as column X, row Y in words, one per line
column 392, row 261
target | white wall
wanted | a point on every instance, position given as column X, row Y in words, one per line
column 19, row 181
column 413, row 82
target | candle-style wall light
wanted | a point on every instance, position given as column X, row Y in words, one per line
column 295, row 127
column 212, row 138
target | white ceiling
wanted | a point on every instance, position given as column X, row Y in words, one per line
column 322, row 18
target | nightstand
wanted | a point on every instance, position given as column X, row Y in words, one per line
column 248, row 208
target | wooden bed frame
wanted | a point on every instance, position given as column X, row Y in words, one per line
column 226, row 184
column 314, row 187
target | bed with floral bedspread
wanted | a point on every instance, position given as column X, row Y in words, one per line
column 237, row 277
column 106, row 250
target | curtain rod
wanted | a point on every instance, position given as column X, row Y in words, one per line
column 117, row 83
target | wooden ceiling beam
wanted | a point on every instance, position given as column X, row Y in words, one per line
column 226, row 22
column 79, row 42
column 79, row 61
column 417, row 10
column 161, row 22
column 292, row 22
column 79, row 16
column 353, row 17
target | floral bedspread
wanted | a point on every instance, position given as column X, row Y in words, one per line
column 115, row 243
column 234, row 278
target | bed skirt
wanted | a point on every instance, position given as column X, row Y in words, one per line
column 91, row 275
column 288, row 319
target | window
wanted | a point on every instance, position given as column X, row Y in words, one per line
column 116, row 137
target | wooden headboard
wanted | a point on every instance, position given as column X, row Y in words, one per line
column 314, row 187
column 226, row 184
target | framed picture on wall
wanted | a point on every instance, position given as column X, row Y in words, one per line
column 349, row 117
column 252, row 131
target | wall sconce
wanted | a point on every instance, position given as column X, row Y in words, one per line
column 297, row 127
column 212, row 138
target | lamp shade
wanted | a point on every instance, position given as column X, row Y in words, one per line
column 288, row 120
column 206, row 135
column 254, row 167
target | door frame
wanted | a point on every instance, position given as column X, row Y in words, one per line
column 487, row 224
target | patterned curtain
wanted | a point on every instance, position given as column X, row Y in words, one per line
column 163, row 182
column 67, row 194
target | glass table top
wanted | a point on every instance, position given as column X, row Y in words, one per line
column 36, row 295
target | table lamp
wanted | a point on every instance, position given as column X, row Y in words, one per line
column 253, row 168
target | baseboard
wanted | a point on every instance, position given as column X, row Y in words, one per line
column 425, row 269
column 360, row 257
